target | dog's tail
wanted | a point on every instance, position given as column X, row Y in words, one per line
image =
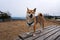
column 40, row 14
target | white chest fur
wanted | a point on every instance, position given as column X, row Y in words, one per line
column 30, row 21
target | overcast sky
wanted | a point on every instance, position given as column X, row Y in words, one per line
column 17, row 8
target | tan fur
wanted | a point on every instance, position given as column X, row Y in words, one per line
column 40, row 18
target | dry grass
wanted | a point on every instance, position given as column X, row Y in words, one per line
column 9, row 30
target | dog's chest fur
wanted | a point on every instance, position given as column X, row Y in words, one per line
column 30, row 21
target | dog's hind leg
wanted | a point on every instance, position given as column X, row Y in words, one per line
column 41, row 27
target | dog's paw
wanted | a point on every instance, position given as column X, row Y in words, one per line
column 27, row 32
column 41, row 30
column 34, row 34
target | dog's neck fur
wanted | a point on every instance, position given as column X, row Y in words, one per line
column 30, row 21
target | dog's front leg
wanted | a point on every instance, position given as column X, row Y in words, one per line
column 34, row 27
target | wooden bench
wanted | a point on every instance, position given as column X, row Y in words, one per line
column 50, row 33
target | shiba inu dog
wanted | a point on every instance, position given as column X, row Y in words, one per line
column 32, row 20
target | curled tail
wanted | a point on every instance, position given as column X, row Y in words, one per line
column 40, row 14
column 42, row 17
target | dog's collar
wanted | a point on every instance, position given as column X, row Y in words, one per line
column 30, row 23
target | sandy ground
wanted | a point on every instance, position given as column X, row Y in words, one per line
column 10, row 30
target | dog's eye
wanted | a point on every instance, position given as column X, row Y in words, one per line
column 28, row 12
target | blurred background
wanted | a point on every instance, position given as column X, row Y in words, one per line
column 17, row 8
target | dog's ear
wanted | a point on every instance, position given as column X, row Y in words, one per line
column 34, row 9
column 27, row 9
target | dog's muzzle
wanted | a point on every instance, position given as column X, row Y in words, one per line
column 31, row 16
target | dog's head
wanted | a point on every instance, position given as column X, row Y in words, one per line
column 31, row 13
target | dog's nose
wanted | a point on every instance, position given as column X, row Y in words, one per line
column 31, row 16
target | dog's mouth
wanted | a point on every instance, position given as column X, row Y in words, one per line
column 31, row 16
